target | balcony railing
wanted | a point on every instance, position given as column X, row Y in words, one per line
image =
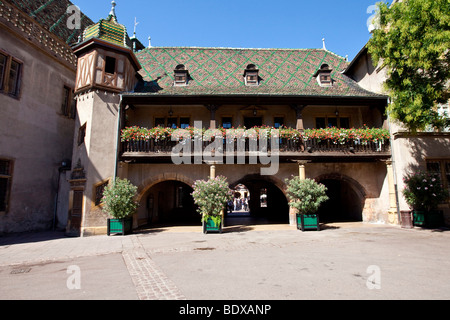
column 325, row 142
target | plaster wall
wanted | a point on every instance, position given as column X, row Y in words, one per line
column 36, row 136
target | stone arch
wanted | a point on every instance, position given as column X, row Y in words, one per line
column 276, row 207
column 162, row 187
column 147, row 184
column 347, row 198
column 271, row 179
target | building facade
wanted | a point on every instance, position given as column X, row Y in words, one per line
column 132, row 103
column 427, row 151
column 132, row 99
column 37, row 78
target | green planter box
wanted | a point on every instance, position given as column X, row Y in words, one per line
column 433, row 219
column 120, row 226
column 308, row 222
column 210, row 226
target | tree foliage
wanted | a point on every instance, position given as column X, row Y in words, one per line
column 306, row 195
column 119, row 199
column 211, row 197
column 413, row 41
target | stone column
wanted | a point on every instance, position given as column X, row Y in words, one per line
column 302, row 175
column 212, row 171
column 212, row 109
column 298, row 112
column 392, row 213
column 302, row 170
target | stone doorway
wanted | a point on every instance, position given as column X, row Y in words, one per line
column 266, row 203
column 346, row 201
column 168, row 203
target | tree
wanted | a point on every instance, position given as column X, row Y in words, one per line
column 306, row 195
column 413, row 42
column 119, row 199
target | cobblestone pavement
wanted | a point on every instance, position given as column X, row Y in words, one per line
column 267, row 262
column 151, row 283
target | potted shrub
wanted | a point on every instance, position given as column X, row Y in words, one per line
column 119, row 202
column 306, row 196
column 424, row 192
column 211, row 198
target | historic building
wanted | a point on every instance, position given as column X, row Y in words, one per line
column 131, row 98
column 427, row 151
column 37, row 111
column 81, row 107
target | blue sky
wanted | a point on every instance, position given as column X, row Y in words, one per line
column 243, row 23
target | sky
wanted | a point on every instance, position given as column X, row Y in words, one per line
column 296, row 24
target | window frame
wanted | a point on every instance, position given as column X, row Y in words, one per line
column 338, row 121
column 442, row 171
column 82, row 134
column 222, row 122
column 5, row 81
column 96, row 187
column 9, row 178
column 68, row 105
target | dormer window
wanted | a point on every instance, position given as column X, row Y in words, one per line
column 181, row 75
column 251, row 75
column 324, row 76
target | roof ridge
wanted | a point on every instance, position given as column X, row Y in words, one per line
column 249, row 49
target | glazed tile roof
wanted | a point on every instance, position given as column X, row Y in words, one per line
column 110, row 30
column 218, row 71
column 52, row 15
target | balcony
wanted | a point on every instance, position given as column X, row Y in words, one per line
column 312, row 144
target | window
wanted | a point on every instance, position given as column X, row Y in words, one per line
column 5, row 183
column 251, row 75
column 110, row 66
column 172, row 123
column 278, row 122
column 263, row 198
column 10, row 72
column 13, row 84
column 99, row 189
column 68, row 105
column 324, row 76
column 185, row 122
column 3, row 59
column 181, row 75
column 440, row 169
column 81, row 134
column 160, row 122
column 329, row 122
column 227, row 122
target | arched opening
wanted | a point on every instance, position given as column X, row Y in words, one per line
column 239, row 205
column 346, row 201
column 266, row 202
column 168, row 203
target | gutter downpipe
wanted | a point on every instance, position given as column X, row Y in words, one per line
column 119, row 124
column 394, row 168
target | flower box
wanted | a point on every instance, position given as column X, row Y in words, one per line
column 308, row 222
column 211, row 226
column 120, row 226
column 432, row 219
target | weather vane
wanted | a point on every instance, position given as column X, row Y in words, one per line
column 135, row 25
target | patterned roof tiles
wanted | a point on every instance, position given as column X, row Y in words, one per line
column 53, row 16
column 220, row 71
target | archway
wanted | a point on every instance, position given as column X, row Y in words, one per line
column 168, row 203
column 346, row 201
column 267, row 202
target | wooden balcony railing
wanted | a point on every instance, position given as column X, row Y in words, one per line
column 311, row 146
